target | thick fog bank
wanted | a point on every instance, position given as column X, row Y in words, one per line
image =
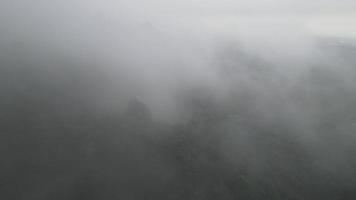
column 177, row 100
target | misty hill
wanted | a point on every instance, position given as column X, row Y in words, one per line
column 263, row 140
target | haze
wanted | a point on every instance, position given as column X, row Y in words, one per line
column 198, row 99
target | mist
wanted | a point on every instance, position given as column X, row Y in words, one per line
column 177, row 99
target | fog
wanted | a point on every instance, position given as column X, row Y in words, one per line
column 177, row 99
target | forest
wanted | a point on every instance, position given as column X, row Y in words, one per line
column 278, row 138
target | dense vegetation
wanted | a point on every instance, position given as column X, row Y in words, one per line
column 57, row 143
